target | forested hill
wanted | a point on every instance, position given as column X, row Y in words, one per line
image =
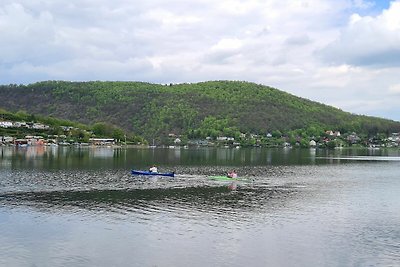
column 205, row 108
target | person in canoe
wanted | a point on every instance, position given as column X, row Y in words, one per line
column 232, row 174
column 153, row 169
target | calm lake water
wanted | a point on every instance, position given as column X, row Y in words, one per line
column 294, row 207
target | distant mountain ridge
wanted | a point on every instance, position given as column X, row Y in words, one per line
column 155, row 110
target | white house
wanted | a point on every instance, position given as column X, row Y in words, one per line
column 313, row 143
column 6, row 124
column 40, row 126
column 102, row 141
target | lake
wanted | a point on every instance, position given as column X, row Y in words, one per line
column 62, row 206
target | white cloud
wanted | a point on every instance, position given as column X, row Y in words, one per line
column 273, row 42
column 363, row 4
column 169, row 19
column 237, row 7
column 395, row 89
column 227, row 44
column 224, row 51
column 300, row 39
column 368, row 41
column 28, row 37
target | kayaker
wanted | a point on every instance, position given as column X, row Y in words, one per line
column 153, row 169
column 232, row 174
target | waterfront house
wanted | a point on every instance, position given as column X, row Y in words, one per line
column 313, row 143
column 101, row 141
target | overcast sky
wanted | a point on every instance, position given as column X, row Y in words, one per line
column 344, row 53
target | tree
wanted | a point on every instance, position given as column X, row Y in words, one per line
column 118, row 134
column 21, row 115
column 79, row 135
column 102, row 129
column 276, row 134
column 31, row 117
column 331, row 144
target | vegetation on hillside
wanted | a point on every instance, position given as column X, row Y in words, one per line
column 76, row 132
column 197, row 110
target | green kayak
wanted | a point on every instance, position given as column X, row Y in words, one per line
column 223, row 178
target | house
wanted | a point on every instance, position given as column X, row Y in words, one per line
column 39, row 126
column 394, row 140
column 6, row 124
column 313, row 143
column 6, row 139
column 333, row 133
column 225, row 138
column 20, row 142
column 353, row 138
column 102, row 141
column 34, row 140
column 200, row 142
column 395, row 137
column 66, row 128
column 19, row 124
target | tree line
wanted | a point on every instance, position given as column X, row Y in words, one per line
column 195, row 110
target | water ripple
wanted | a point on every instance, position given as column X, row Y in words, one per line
column 295, row 211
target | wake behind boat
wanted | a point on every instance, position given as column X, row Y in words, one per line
column 137, row 172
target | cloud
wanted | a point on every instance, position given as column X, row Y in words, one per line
column 224, row 51
column 27, row 37
column 395, row 89
column 279, row 43
column 363, row 4
column 52, row 34
column 300, row 39
column 368, row 41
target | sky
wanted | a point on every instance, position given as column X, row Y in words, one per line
column 343, row 53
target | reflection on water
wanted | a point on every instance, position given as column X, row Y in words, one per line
column 125, row 158
column 81, row 207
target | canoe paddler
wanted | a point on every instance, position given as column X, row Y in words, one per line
column 153, row 169
column 232, row 174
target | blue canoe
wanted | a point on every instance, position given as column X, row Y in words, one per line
column 135, row 172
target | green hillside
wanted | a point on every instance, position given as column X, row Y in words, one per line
column 196, row 110
column 51, row 126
